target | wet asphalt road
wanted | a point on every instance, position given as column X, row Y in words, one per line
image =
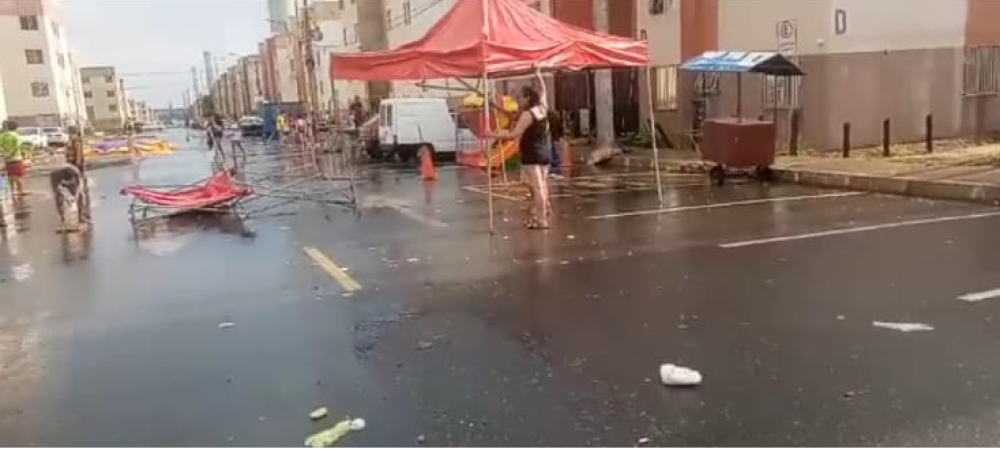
column 520, row 338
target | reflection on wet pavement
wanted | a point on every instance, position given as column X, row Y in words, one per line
column 458, row 337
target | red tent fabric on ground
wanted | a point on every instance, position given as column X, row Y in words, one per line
column 217, row 190
column 494, row 38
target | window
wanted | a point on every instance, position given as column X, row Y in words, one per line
column 388, row 18
column 665, row 88
column 111, row 94
column 656, row 6
column 55, row 29
column 407, row 15
column 345, row 36
column 982, row 71
column 88, row 94
column 34, row 57
column 29, row 23
column 61, row 58
column 39, row 89
column 86, row 80
column 113, row 107
column 109, row 79
column 90, row 112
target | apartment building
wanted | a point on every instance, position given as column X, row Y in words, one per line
column 35, row 64
column 337, row 35
column 865, row 62
column 248, row 84
column 278, row 69
column 105, row 100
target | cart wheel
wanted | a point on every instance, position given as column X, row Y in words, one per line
column 765, row 174
column 718, row 175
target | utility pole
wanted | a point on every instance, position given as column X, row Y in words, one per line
column 310, row 57
column 603, row 90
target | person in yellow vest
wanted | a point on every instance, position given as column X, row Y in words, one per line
column 282, row 127
column 15, row 156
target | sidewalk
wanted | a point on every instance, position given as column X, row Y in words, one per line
column 966, row 174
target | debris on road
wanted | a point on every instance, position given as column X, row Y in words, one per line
column 644, row 441
column 318, row 414
column 326, row 438
column 413, row 260
column 424, row 345
column 226, row 325
column 903, row 327
column 678, row 376
column 21, row 272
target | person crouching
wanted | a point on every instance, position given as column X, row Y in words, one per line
column 67, row 189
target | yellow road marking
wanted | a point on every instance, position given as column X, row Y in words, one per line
column 337, row 273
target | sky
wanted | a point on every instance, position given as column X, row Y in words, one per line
column 154, row 43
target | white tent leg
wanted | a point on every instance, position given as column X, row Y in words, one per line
column 489, row 162
column 652, row 123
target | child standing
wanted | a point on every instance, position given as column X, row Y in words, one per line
column 14, row 154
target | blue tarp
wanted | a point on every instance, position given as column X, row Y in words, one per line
column 768, row 63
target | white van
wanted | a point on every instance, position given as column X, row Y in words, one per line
column 406, row 124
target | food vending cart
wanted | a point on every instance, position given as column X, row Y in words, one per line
column 740, row 142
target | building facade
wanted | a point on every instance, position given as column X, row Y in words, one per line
column 105, row 100
column 35, row 64
column 277, row 63
column 338, row 34
column 865, row 62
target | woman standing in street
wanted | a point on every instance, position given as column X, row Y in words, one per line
column 532, row 131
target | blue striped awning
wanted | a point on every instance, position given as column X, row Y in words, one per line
column 768, row 63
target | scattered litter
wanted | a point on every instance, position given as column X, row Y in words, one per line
column 421, row 439
column 577, row 362
column 678, row 376
column 571, row 237
column 21, row 272
column 904, row 327
column 841, row 317
column 347, row 294
column 852, row 394
column 413, row 260
column 318, row 414
column 644, row 441
column 563, row 262
column 326, row 438
column 226, row 325
column 424, row 345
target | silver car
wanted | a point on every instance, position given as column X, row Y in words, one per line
column 55, row 137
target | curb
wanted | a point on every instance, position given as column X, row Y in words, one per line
column 969, row 192
column 905, row 186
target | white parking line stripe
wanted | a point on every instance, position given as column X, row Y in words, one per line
column 980, row 296
column 833, row 232
column 724, row 205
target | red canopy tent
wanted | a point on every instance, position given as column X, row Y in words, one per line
column 497, row 38
column 492, row 38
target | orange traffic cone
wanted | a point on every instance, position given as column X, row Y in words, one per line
column 427, row 170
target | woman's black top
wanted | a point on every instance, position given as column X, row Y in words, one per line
column 535, row 147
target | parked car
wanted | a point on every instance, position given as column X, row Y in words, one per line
column 55, row 137
column 34, row 136
column 252, row 126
